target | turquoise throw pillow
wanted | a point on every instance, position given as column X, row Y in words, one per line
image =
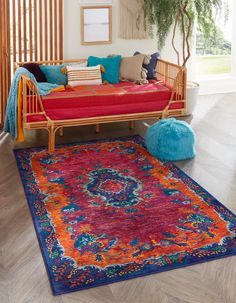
column 53, row 74
column 111, row 65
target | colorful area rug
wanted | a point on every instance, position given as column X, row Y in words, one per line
column 106, row 211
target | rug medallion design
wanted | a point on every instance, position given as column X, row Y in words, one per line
column 106, row 211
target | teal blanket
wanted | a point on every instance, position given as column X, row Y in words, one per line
column 10, row 123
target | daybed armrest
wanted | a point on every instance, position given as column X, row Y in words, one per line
column 175, row 77
column 32, row 103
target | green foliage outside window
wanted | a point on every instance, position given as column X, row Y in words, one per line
column 182, row 14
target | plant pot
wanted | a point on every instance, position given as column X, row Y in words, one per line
column 192, row 97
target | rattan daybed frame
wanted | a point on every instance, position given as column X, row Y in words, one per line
column 171, row 74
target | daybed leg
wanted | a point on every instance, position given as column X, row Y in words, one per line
column 51, row 140
column 131, row 124
column 97, row 130
column 61, row 132
column 164, row 115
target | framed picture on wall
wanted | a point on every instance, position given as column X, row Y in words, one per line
column 96, row 25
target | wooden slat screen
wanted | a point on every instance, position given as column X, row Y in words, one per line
column 40, row 29
column 31, row 30
column 5, row 62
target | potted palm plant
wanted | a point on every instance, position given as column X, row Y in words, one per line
column 181, row 15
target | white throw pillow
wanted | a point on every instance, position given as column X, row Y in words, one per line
column 78, row 75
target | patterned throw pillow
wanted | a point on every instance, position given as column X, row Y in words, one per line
column 78, row 75
column 81, row 64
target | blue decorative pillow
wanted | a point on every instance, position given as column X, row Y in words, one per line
column 151, row 67
column 53, row 74
column 111, row 65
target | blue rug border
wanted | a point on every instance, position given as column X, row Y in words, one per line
column 29, row 200
column 139, row 140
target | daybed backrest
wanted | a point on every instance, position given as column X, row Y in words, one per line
column 50, row 62
column 173, row 75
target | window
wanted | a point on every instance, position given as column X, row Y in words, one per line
column 215, row 57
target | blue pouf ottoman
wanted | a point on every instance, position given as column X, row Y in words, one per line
column 171, row 140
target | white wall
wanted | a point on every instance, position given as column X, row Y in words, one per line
column 73, row 48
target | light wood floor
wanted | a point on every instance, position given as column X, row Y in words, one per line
column 23, row 277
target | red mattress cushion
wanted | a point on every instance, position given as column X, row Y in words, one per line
column 110, row 99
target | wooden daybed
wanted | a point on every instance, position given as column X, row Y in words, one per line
column 126, row 102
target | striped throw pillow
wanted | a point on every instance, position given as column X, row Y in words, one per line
column 78, row 75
